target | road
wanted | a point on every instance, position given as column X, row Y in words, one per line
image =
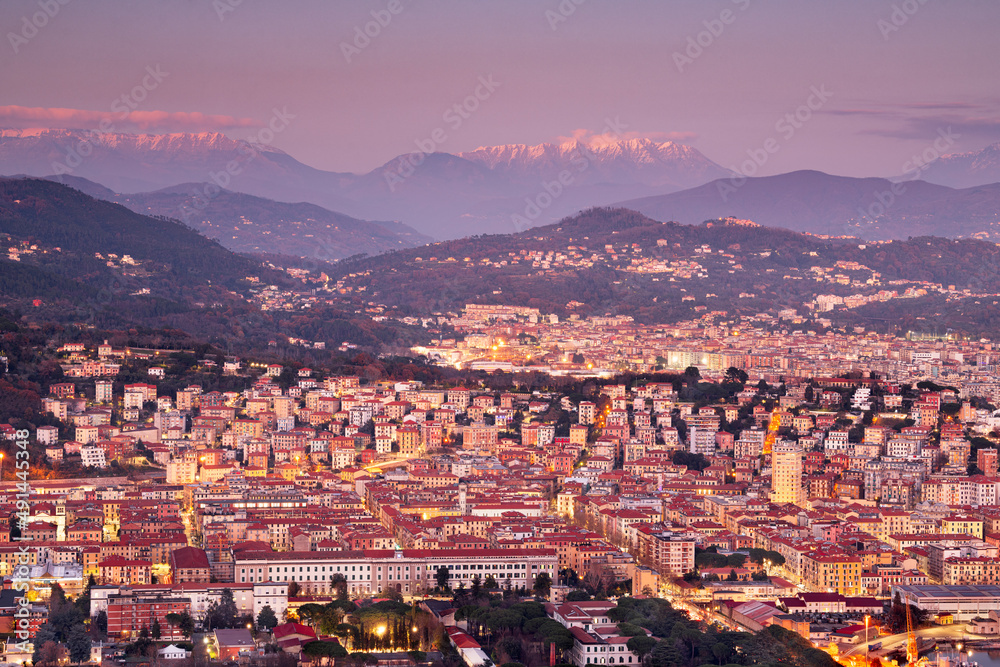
column 385, row 464
column 956, row 631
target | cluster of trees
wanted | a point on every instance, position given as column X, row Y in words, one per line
column 64, row 634
column 223, row 613
column 710, row 558
column 384, row 625
column 676, row 640
column 511, row 630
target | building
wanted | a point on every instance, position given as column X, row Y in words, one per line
column 986, row 461
column 409, row 571
column 833, row 572
column 47, row 435
column 591, row 648
column 102, row 392
column 189, row 564
column 963, row 603
column 93, row 457
column 171, row 652
column 130, row 611
column 230, row 644
column 119, row 570
column 666, row 552
column 786, row 476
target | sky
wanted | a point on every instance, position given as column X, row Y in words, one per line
column 851, row 87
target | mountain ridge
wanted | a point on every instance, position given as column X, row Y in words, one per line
column 965, row 170
column 442, row 195
column 815, row 202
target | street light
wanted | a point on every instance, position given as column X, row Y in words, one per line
column 867, row 638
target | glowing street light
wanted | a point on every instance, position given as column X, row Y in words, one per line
column 867, row 638
column 380, row 630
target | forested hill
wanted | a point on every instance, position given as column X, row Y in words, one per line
column 56, row 216
column 614, row 260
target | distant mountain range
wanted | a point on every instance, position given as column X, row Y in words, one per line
column 248, row 224
column 818, row 203
column 497, row 189
column 488, row 190
column 966, row 170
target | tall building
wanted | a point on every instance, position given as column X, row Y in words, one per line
column 786, row 473
column 102, row 393
column 986, row 460
column 588, row 412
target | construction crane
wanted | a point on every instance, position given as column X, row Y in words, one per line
column 912, row 653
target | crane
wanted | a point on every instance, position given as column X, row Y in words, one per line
column 912, row 653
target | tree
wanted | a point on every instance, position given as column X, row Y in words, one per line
column 339, row 582
column 57, row 598
column 736, row 375
column 490, row 583
column 43, row 636
column 82, row 601
column 186, row 625
column 543, row 583
column 293, row 589
column 641, row 645
column 50, row 653
column 78, row 644
column 156, row 631
column 223, row 612
column 101, row 622
column 441, row 576
column 266, row 618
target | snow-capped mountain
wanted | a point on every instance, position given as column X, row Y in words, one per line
column 665, row 164
column 129, row 163
column 966, row 170
column 492, row 189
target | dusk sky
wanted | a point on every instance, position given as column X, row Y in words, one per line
column 892, row 74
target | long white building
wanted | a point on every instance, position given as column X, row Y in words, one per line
column 409, row 571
